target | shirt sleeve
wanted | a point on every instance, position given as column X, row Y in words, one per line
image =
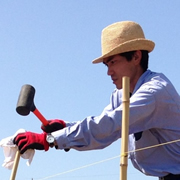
column 94, row 132
column 97, row 132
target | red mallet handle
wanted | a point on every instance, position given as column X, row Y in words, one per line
column 40, row 117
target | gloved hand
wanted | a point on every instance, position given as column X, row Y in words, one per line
column 53, row 125
column 30, row 140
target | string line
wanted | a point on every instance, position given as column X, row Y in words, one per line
column 82, row 167
column 153, row 146
column 102, row 161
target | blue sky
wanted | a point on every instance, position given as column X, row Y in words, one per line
column 50, row 45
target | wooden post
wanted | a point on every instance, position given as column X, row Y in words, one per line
column 124, row 129
column 15, row 166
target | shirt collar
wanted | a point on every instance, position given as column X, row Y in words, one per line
column 141, row 80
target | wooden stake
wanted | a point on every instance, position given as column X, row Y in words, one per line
column 124, row 129
column 15, row 166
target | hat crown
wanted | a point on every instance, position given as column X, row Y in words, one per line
column 123, row 37
column 119, row 33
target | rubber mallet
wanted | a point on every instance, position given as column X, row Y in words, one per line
column 25, row 103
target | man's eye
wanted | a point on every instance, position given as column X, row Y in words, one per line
column 112, row 62
column 109, row 63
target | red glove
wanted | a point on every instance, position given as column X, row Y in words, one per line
column 30, row 140
column 53, row 125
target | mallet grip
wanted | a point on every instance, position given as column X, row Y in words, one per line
column 41, row 117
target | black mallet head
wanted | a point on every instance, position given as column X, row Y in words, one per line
column 25, row 102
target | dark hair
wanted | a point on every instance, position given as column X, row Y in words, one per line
column 144, row 59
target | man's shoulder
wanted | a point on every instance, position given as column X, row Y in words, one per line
column 155, row 78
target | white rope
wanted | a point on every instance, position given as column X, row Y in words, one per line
column 102, row 161
column 82, row 167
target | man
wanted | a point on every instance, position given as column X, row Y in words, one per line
column 154, row 109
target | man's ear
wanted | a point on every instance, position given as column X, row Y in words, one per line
column 137, row 57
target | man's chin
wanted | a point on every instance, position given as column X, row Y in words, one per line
column 119, row 87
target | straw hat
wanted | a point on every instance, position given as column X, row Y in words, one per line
column 123, row 37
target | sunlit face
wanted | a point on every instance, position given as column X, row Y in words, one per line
column 118, row 66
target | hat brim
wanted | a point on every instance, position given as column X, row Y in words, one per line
column 132, row 45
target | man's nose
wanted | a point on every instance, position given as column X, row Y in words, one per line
column 109, row 71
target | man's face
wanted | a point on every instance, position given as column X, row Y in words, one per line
column 118, row 66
